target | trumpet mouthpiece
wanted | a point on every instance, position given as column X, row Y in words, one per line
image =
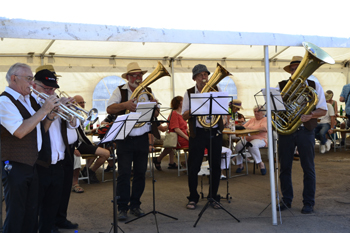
column 138, row 81
column 204, row 80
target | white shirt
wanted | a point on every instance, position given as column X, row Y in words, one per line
column 327, row 118
column 186, row 105
column 116, row 98
column 10, row 116
column 57, row 144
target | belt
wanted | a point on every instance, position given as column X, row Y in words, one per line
column 207, row 129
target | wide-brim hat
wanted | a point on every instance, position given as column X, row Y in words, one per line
column 199, row 69
column 133, row 67
column 295, row 60
column 47, row 78
column 328, row 96
column 237, row 104
column 47, row 67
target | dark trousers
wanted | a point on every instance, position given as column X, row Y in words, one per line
column 132, row 150
column 197, row 146
column 305, row 141
column 21, row 197
column 61, row 215
column 50, row 192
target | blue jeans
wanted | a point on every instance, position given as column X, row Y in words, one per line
column 305, row 141
column 321, row 131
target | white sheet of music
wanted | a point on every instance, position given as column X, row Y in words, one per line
column 132, row 119
column 146, row 110
column 219, row 105
column 275, row 98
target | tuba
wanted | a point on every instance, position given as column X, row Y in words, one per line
column 219, row 73
column 138, row 93
column 299, row 98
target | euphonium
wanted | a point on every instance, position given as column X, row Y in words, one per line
column 90, row 117
column 299, row 98
column 159, row 72
column 219, row 73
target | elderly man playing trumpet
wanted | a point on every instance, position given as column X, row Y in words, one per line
column 21, row 140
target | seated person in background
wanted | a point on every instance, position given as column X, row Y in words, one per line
column 259, row 122
column 225, row 160
column 234, row 106
column 86, row 147
column 326, row 125
column 179, row 125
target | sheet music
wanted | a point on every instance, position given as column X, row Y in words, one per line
column 275, row 100
column 146, row 110
column 121, row 127
column 219, row 105
column 128, row 126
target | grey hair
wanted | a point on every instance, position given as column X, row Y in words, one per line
column 260, row 107
column 14, row 68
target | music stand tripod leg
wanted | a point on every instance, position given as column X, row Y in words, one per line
column 210, row 198
column 154, row 212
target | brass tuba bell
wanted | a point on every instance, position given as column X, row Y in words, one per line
column 138, row 93
column 219, row 73
column 299, row 98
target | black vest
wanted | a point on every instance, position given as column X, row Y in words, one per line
column 24, row 150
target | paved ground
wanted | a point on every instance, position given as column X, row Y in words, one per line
column 93, row 209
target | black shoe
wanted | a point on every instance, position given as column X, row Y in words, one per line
column 93, row 178
column 307, row 209
column 108, row 169
column 157, row 164
column 284, row 206
column 137, row 212
column 68, row 225
column 173, row 166
column 122, row 215
column 55, row 229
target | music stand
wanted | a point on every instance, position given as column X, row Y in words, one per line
column 148, row 117
column 207, row 105
column 277, row 104
column 119, row 130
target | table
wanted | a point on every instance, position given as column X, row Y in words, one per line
column 239, row 133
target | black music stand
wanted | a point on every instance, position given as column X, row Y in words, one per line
column 277, row 106
column 119, row 130
column 147, row 117
column 210, row 106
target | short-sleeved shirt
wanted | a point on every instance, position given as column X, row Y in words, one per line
column 176, row 121
column 344, row 93
column 327, row 118
column 116, row 98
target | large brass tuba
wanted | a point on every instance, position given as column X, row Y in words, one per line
column 159, row 72
column 219, row 73
column 299, row 98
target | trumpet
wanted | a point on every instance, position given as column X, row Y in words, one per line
column 64, row 112
column 90, row 116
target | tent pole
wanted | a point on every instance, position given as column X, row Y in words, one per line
column 270, row 138
column 172, row 77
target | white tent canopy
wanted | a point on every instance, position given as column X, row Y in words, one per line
column 85, row 54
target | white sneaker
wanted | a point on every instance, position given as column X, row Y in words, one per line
column 223, row 177
column 328, row 144
column 323, row 149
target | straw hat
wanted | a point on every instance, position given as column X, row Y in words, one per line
column 236, row 103
column 47, row 67
column 133, row 67
column 328, row 96
column 295, row 60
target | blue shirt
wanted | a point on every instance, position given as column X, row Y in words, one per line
column 344, row 93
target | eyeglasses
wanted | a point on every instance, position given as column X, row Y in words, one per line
column 28, row 78
column 136, row 75
column 47, row 88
